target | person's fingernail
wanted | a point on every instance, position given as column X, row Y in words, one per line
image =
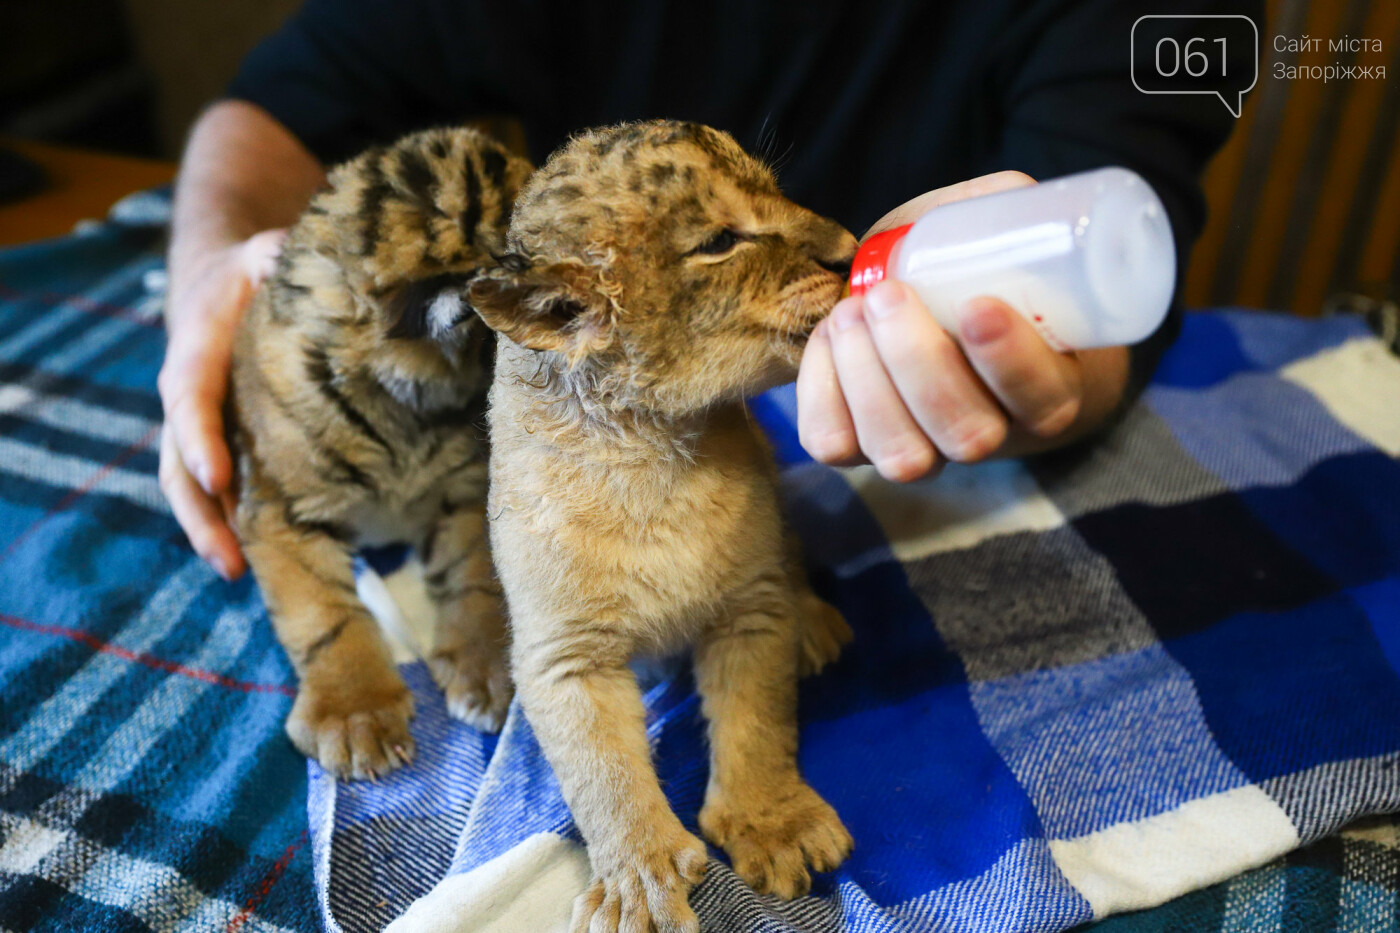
column 977, row 439
column 205, row 474
column 983, row 320
column 846, row 315
column 820, row 330
column 886, row 298
column 219, row 566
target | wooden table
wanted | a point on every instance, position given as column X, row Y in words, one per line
column 81, row 185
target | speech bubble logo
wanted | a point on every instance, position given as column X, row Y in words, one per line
column 1192, row 54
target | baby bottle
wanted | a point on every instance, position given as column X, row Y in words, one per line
column 1088, row 259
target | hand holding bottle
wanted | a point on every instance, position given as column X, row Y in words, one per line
column 883, row 382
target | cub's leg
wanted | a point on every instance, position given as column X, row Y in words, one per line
column 470, row 656
column 352, row 709
column 757, row 807
column 584, row 706
column 822, row 630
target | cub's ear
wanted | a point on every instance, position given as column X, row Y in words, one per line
column 431, row 308
column 558, row 306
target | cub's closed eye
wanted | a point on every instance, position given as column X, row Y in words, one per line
column 721, row 242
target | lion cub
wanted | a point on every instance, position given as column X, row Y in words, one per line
column 657, row 278
column 359, row 382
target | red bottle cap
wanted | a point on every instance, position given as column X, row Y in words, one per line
column 868, row 268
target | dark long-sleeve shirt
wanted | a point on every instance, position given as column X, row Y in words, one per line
column 862, row 105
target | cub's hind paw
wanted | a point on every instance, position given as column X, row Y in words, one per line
column 823, row 632
column 359, row 737
column 477, row 684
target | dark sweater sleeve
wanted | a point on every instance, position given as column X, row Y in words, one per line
column 344, row 74
column 1069, row 104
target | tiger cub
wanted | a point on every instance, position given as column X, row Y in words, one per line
column 359, row 382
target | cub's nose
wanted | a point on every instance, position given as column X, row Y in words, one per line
column 841, row 267
column 834, row 248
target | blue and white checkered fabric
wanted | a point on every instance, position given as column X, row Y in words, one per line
column 1079, row 686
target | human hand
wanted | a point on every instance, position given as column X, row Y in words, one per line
column 204, row 306
column 882, row 382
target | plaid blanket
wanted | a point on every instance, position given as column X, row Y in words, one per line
column 1078, row 686
column 145, row 782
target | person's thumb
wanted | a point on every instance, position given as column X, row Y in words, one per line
column 259, row 254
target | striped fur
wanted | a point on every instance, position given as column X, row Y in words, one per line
column 358, row 417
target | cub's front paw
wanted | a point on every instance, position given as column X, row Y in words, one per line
column 476, row 682
column 773, row 840
column 647, row 889
column 355, row 733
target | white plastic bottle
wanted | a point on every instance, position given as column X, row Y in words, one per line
column 1088, row 259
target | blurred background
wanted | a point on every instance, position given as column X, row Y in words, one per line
column 1305, row 199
